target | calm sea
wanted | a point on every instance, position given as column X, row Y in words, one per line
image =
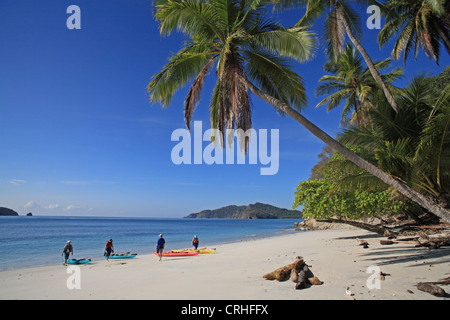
column 35, row 241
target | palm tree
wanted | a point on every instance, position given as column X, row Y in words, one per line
column 422, row 22
column 341, row 20
column 351, row 84
column 414, row 143
column 236, row 38
column 245, row 48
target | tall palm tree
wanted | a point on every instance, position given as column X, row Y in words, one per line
column 245, row 48
column 234, row 37
column 351, row 84
column 341, row 20
column 424, row 22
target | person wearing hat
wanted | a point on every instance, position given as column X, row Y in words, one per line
column 68, row 249
column 195, row 242
column 160, row 246
column 109, row 247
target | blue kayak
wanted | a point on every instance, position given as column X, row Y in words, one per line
column 78, row 261
column 122, row 256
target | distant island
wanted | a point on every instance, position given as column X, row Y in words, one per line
column 10, row 212
column 252, row 211
column 7, row 212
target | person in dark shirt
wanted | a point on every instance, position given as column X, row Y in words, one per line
column 160, row 246
column 109, row 248
column 68, row 249
column 195, row 242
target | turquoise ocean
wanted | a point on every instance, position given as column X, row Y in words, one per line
column 39, row 240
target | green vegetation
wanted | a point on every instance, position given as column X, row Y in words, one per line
column 415, row 22
column 339, row 194
column 412, row 144
column 351, row 84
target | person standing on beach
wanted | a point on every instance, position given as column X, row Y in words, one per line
column 68, row 249
column 109, row 247
column 160, row 246
column 195, row 242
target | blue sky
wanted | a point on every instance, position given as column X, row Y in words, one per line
column 79, row 137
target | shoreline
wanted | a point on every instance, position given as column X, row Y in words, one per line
column 139, row 239
column 97, row 259
column 235, row 272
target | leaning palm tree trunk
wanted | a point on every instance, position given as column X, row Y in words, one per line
column 404, row 189
column 367, row 59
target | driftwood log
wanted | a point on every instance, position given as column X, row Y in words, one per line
column 302, row 278
column 298, row 272
column 283, row 273
column 435, row 242
column 431, row 288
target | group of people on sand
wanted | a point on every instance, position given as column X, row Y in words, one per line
column 161, row 243
column 68, row 250
column 109, row 248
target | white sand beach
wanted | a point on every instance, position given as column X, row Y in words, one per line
column 235, row 271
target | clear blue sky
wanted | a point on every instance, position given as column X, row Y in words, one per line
column 79, row 137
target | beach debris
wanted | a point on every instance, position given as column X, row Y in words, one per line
column 284, row 273
column 349, row 293
column 423, row 240
column 416, row 239
column 303, row 278
column 315, row 281
column 389, row 234
column 383, row 275
column 294, row 275
column 363, row 243
column 435, row 242
column 298, row 272
column 431, row 288
column 444, row 281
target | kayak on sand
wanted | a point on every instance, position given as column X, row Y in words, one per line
column 122, row 255
column 200, row 251
column 78, row 261
column 177, row 254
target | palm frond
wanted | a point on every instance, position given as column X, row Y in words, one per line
column 297, row 42
column 182, row 67
column 274, row 76
column 192, row 17
column 417, row 23
column 194, row 94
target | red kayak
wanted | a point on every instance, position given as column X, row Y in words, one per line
column 178, row 254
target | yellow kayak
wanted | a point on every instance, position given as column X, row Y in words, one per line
column 200, row 251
